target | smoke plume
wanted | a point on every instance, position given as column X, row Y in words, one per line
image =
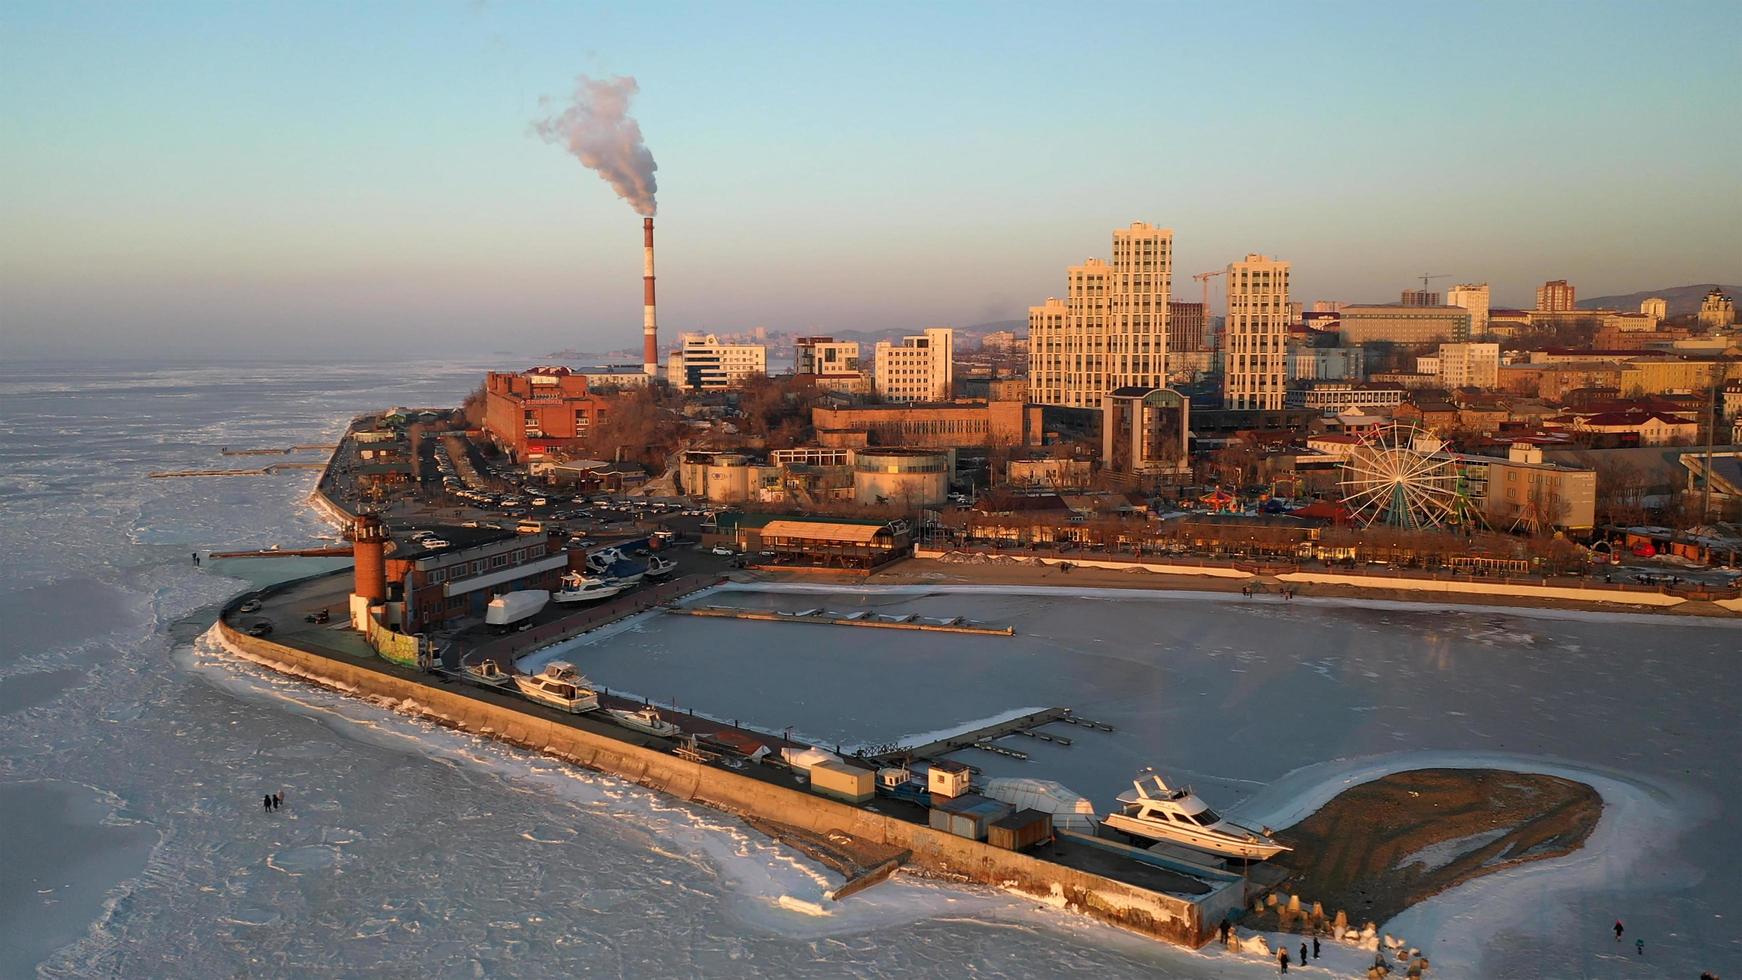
column 597, row 129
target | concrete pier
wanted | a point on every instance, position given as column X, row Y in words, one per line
column 823, row 616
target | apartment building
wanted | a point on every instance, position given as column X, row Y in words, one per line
column 1469, row 365
column 1556, row 296
column 1111, row 329
column 832, row 364
column 921, row 368
column 1255, row 337
column 1475, row 297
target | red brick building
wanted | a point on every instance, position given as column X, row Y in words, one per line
column 541, row 410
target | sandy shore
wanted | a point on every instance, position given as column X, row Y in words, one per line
column 931, row 571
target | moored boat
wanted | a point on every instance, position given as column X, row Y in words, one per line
column 560, row 686
column 1154, row 811
column 645, row 720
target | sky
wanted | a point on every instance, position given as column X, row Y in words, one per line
column 309, row 176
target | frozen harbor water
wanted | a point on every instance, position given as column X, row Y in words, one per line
column 409, row 849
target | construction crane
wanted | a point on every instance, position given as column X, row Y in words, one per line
column 1205, row 277
column 1424, row 277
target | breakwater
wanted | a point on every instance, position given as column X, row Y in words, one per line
column 1187, row 921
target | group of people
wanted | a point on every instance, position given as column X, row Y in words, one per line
column 1285, row 592
column 273, row 801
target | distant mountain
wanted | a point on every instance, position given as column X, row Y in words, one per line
column 1682, row 299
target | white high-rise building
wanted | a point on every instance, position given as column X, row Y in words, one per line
column 702, row 363
column 919, row 369
column 1469, row 365
column 1111, row 329
column 1254, row 342
column 1475, row 298
column 1656, row 306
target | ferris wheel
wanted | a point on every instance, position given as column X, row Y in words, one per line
column 1399, row 477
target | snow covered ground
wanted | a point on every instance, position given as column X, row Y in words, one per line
column 409, row 849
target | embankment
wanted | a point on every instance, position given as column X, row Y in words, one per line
column 1162, row 916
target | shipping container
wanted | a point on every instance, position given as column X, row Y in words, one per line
column 843, row 782
column 1021, row 830
column 967, row 816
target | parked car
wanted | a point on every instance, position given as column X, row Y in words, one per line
column 261, row 628
column 250, row 605
column 722, row 551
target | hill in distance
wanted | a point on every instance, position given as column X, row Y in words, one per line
column 1682, row 299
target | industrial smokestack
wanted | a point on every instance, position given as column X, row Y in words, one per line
column 649, row 321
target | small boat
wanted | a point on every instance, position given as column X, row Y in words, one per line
column 658, row 567
column 560, row 686
column 512, row 607
column 489, row 672
column 1152, row 810
column 577, row 587
column 613, row 563
column 646, row 720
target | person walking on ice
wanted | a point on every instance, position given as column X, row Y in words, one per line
column 1619, row 929
column 1282, row 961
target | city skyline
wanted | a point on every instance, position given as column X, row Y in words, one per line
column 190, row 177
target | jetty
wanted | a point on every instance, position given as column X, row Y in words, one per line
column 227, row 451
column 255, row 471
column 830, row 618
column 336, row 551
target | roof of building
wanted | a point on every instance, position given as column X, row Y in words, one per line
column 813, row 530
column 1627, row 418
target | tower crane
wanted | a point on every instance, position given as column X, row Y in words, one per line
column 1424, row 277
column 1205, row 277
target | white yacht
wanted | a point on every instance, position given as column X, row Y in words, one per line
column 489, row 672
column 577, row 587
column 658, row 567
column 646, row 720
column 1154, row 811
column 559, row 685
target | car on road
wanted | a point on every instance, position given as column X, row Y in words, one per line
column 722, row 551
column 251, row 605
column 261, row 628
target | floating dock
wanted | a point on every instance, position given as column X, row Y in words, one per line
column 827, row 617
column 257, row 471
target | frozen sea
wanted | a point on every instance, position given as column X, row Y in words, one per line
column 137, row 753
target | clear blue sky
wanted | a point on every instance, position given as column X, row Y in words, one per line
column 294, row 174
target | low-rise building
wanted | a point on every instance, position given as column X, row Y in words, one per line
column 908, row 478
column 1521, row 492
column 1325, row 363
column 813, row 541
column 1146, row 431
column 457, row 581
column 540, row 411
column 832, row 364
column 951, row 424
column 1633, row 427
column 1333, row 397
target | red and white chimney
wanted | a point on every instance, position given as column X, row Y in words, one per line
column 649, row 322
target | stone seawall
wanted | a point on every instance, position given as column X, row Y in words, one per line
column 1167, row 917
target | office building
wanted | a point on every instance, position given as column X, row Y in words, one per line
column 919, row 369
column 1111, row 329
column 539, row 411
column 1325, row 363
column 1555, row 296
column 703, row 363
column 1472, row 296
column 1399, row 324
column 957, row 424
column 832, row 364
column 1146, row 431
column 1255, row 338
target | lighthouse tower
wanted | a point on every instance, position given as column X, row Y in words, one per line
column 369, row 537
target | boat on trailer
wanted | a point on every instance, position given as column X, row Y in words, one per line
column 561, row 686
column 645, row 720
column 658, row 567
column 1153, row 811
column 579, row 588
column 488, row 672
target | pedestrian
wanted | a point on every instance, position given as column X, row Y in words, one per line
column 1303, row 954
column 1619, row 929
column 277, row 799
column 1315, row 946
column 268, row 802
column 1282, row 960
column 1639, row 944
column 1226, row 925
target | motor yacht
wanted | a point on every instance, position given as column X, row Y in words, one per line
column 577, row 588
column 559, row 685
column 1154, row 811
column 646, row 720
column 489, row 672
column 658, row 567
